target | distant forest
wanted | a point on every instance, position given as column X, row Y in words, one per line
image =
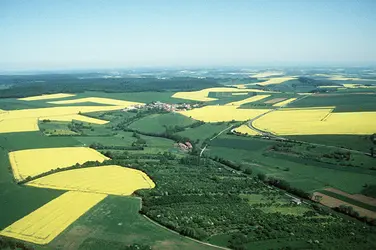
column 28, row 85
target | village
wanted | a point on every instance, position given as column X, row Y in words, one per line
column 163, row 106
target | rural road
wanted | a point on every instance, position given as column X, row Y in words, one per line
column 202, row 150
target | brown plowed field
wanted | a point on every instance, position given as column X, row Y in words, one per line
column 358, row 197
column 333, row 202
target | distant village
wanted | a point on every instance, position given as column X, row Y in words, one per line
column 164, row 106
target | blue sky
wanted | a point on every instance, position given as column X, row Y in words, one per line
column 112, row 34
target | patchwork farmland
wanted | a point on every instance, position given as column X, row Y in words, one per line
column 259, row 162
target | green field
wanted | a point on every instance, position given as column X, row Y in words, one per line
column 29, row 140
column 358, row 142
column 116, row 223
column 157, row 123
column 304, row 173
column 342, row 102
column 203, row 132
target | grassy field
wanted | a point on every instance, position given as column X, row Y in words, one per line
column 304, row 173
column 157, row 123
column 343, row 102
column 204, row 131
column 29, row 140
column 116, row 223
column 357, row 142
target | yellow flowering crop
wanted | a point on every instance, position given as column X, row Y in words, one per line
column 244, row 129
column 222, row 113
column 315, row 121
column 18, row 125
column 48, row 221
column 27, row 119
column 46, row 97
column 202, row 95
column 285, row 102
column 32, row 162
column 111, row 179
column 276, row 80
column 106, row 101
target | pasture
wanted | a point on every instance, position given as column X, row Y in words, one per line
column 158, row 123
column 299, row 165
column 204, row 131
column 202, row 95
column 46, row 97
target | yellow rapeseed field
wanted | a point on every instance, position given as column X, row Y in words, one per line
column 106, row 101
column 48, row 221
column 18, row 125
column 285, row 102
column 32, row 162
column 46, row 97
column 316, row 121
column 112, row 179
column 247, row 100
column 222, row 113
column 202, row 95
column 27, row 119
column 244, row 129
column 276, row 80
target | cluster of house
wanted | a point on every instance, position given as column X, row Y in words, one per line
column 164, row 106
column 185, row 146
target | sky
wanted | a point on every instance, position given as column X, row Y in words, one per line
column 67, row 34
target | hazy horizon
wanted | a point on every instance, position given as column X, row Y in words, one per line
column 56, row 35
